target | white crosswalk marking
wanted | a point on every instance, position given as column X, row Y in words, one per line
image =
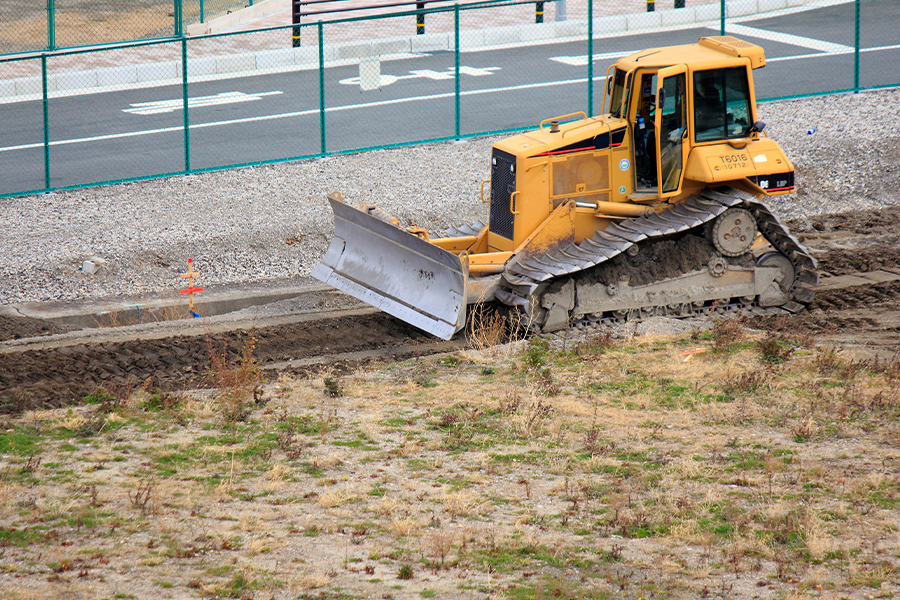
column 784, row 38
column 164, row 106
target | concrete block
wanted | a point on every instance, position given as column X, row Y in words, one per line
column 610, row 24
column 436, row 42
column 76, row 80
column 772, row 5
column 114, row 76
column 7, row 88
column 739, row 8
column 386, row 46
column 26, row 86
column 641, row 21
column 308, row 56
column 235, row 63
column 469, row 40
column 369, row 74
column 678, row 16
column 160, row 71
column 537, row 31
column 199, row 67
column 502, row 36
column 275, row 59
column 707, row 12
column 568, row 29
column 354, row 50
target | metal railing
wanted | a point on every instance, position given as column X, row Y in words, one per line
column 153, row 108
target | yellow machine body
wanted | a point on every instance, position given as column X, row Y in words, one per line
column 675, row 121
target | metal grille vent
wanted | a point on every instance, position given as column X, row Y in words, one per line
column 503, row 184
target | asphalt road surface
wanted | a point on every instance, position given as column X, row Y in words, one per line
column 140, row 132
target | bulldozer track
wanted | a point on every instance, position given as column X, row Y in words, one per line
column 522, row 281
column 856, row 303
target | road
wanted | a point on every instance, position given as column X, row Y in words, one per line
column 140, row 132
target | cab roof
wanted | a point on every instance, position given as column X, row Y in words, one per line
column 707, row 49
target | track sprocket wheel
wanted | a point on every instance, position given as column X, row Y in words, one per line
column 733, row 232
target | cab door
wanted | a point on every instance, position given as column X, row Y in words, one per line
column 671, row 126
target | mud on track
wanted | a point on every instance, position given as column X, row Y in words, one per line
column 866, row 318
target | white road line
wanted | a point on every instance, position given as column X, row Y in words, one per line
column 784, row 38
column 166, row 106
column 300, row 113
column 819, row 55
column 581, row 60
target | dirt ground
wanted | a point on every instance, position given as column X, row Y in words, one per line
column 730, row 464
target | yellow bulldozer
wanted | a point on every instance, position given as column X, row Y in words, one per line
column 651, row 208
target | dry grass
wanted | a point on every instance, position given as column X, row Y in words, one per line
column 644, row 475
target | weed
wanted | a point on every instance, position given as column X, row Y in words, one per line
column 237, row 379
column 547, row 386
column 405, row 573
column 726, row 332
column 535, row 355
column 592, row 436
column 439, row 544
column 599, row 343
column 452, row 360
column 333, row 387
column 107, row 401
column 748, row 383
column 775, row 348
column 140, row 497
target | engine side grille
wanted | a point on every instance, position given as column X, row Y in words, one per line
column 503, row 184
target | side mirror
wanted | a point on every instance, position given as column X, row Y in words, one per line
column 609, row 84
column 758, row 127
column 661, row 101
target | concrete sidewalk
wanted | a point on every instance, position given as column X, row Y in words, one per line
column 260, row 52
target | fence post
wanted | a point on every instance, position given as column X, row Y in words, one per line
column 46, row 123
column 296, row 8
column 590, row 58
column 51, row 25
column 721, row 17
column 420, row 18
column 538, row 12
column 202, row 15
column 856, row 53
column 184, row 99
column 651, row 5
column 179, row 19
column 321, row 89
column 679, row 3
column 456, row 62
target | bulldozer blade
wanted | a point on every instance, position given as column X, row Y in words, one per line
column 395, row 271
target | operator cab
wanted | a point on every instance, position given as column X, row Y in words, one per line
column 665, row 117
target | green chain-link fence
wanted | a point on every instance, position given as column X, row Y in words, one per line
column 116, row 113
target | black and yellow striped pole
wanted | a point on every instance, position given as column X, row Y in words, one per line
column 420, row 18
column 651, row 5
column 679, row 3
column 295, row 21
column 538, row 12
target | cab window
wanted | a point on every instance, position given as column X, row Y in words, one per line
column 617, row 93
column 721, row 104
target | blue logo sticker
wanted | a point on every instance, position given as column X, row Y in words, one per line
column 621, row 189
column 624, row 164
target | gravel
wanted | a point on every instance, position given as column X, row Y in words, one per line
column 273, row 222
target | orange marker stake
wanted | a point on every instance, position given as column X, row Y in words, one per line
column 191, row 290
